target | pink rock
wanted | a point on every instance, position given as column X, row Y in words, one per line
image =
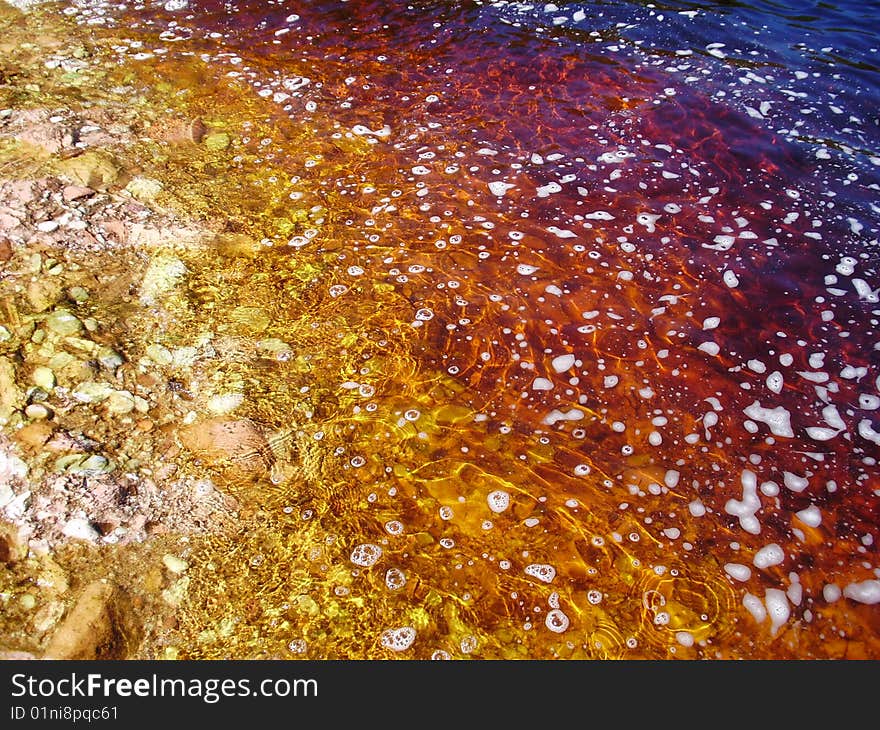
column 75, row 192
column 21, row 192
column 8, row 222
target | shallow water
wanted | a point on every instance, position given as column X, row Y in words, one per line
column 583, row 299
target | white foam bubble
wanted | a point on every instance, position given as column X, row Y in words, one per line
column 542, row 571
column 794, row 482
column 778, row 419
column 556, row 621
column 831, row 592
column 685, row 638
column 498, row 500
column 777, row 608
column 499, row 188
column 866, row 431
column 867, row 591
column 399, row 639
column 562, row 363
column 810, row 516
column 697, row 508
column 775, row 381
column 755, row 606
column 366, row 554
column 556, row 415
column 750, row 503
column 768, row 556
column 738, row 571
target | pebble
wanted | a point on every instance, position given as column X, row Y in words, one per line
column 174, row 564
column 37, row 412
column 64, row 323
column 80, row 529
column 92, row 392
column 44, row 377
column 120, row 402
column 159, row 354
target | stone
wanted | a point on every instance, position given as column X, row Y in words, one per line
column 11, row 398
column 159, row 354
column 162, row 275
column 34, row 435
column 174, row 564
column 120, row 402
column 76, row 192
column 63, row 322
column 144, row 189
column 47, row 616
column 222, row 441
column 13, row 655
column 44, row 377
column 13, row 544
column 236, row 245
column 37, row 411
column 92, row 169
column 217, row 141
column 250, row 319
column 80, row 529
column 96, row 628
column 43, row 293
column 92, row 392
column 78, row 294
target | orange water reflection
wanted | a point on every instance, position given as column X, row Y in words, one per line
column 549, row 275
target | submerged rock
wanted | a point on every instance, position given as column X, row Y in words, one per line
column 97, row 626
column 13, row 544
column 94, row 170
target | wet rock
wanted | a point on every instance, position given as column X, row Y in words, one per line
column 78, row 294
column 97, row 627
column 13, row 544
column 63, row 322
column 76, row 192
column 162, row 275
column 43, row 293
column 96, row 170
column 217, row 141
column 159, row 354
column 235, row 245
column 220, row 441
column 250, row 319
column 92, row 392
column 13, row 655
column 174, row 564
column 34, row 435
column 11, row 398
column 44, row 378
column 120, row 402
column 47, row 616
column 144, row 189
column 37, row 412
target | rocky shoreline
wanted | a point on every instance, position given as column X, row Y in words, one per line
column 99, row 395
